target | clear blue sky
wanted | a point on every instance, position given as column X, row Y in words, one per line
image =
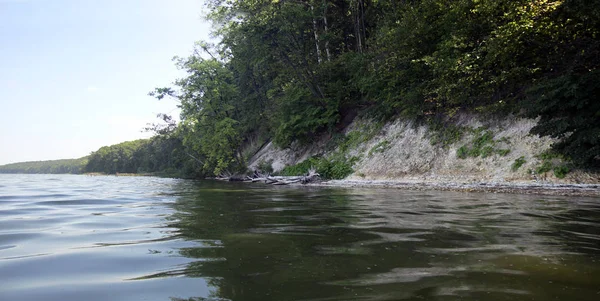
column 74, row 74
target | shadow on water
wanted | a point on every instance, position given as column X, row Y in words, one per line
column 299, row 243
column 121, row 238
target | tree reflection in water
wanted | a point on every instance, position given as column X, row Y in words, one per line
column 299, row 243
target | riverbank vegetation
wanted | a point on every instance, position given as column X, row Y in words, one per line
column 295, row 70
column 65, row 166
column 159, row 155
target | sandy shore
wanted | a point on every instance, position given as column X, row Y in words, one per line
column 588, row 190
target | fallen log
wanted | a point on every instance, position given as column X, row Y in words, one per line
column 258, row 180
column 284, row 178
column 274, row 180
column 285, row 182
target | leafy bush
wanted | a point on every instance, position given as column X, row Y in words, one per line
column 518, row 163
column 337, row 167
column 462, row 152
column 486, row 151
column 544, row 168
column 569, row 108
column 301, row 168
column 483, row 144
column 552, row 160
column 561, row 171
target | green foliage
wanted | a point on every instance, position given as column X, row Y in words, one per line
column 380, row 147
column 295, row 70
column 352, row 140
column 160, row 155
column 65, row 166
column 301, row 168
column 336, row 167
column 462, row 152
column 482, row 138
column 363, row 133
column 486, row 151
column 549, row 155
column 503, row 152
column 445, row 133
column 552, row 160
column 544, row 168
column 302, row 116
column 561, row 171
column 482, row 144
column 518, row 163
column 118, row 158
column 570, row 111
column 336, row 140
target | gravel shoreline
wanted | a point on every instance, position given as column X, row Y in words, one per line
column 587, row 190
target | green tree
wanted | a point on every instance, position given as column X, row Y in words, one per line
column 292, row 70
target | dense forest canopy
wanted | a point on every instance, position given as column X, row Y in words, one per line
column 65, row 166
column 158, row 155
column 294, row 69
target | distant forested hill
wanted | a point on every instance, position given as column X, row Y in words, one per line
column 65, row 166
column 159, row 155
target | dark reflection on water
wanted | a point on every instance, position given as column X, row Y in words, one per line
column 333, row 244
column 110, row 238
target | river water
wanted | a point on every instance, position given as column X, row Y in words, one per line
column 65, row 237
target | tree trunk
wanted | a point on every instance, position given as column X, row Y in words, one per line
column 314, row 22
column 326, row 33
column 363, row 25
column 357, row 26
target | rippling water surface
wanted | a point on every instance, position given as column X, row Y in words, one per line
column 136, row 238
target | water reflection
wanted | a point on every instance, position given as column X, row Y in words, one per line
column 266, row 243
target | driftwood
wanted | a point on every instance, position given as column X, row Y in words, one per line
column 283, row 180
column 312, row 176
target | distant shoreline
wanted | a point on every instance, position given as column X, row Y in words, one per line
column 118, row 174
column 534, row 188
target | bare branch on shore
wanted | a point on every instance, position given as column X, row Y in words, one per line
column 311, row 177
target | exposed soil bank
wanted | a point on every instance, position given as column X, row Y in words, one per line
column 480, row 155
